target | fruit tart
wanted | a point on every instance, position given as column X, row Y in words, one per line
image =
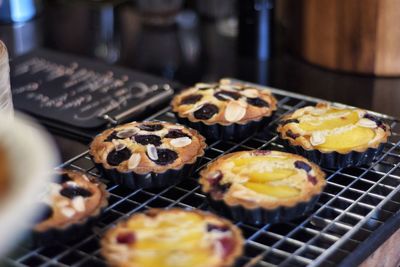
column 262, row 186
column 69, row 207
column 224, row 110
column 147, row 154
column 334, row 136
column 173, row 238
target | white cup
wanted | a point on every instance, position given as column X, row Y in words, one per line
column 6, row 105
column 31, row 155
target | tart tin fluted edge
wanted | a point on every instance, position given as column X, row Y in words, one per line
column 149, row 180
column 259, row 216
column 336, row 160
column 234, row 131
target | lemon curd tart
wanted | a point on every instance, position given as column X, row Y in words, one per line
column 262, row 186
column 334, row 136
column 224, row 110
column 147, row 154
column 173, row 238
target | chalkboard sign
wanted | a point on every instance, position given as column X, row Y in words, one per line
column 82, row 93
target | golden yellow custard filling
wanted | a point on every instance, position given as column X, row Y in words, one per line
column 259, row 176
column 173, row 238
column 354, row 137
column 331, row 119
column 330, row 128
column 261, row 172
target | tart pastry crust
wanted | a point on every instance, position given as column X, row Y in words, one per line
column 224, row 103
column 143, row 147
column 174, row 237
column 329, row 128
column 70, row 206
column 147, row 154
column 262, row 179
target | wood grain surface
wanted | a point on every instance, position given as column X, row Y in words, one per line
column 387, row 255
column 360, row 36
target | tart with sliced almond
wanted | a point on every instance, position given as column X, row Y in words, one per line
column 262, row 186
column 224, row 110
column 173, row 238
column 334, row 136
column 147, row 154
column 69, row 206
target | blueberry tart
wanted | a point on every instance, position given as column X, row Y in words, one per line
column 69, row 207
column 224, row 110
column 262, row 186
column 173, row 238
column 334, row 136
column 147, row 154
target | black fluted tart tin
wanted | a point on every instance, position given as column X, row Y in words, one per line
column 336, row 160
column 234, row 131
column 70, row 233
column 149, row 180
column 260, row 216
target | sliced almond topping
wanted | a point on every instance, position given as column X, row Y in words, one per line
column 193, row 109
column 367, row 123
column 78, row 203
column 62, row 203
column 317, row 138
column 227, row 87
column 181, row 141
column 252, row 93
column 118, row 145
column 68, row 212
column 234, row 111
column 215, row 175
column 152, row 152
column 178, row 127
column 71, row 183
column 127, row 132
column 227, row 97
column 242, row 102
column 203, row 85
column 225, row 81
column 134, row 161
column 86, row 178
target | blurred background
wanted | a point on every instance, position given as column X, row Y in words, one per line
column 327, row 49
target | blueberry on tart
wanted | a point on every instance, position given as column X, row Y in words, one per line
column 69, row 207
column 173, row 238
column 334, row 136
column 147, row 154
column 224, row 110
column 262, row 186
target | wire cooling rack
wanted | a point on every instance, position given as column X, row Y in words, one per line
column 358, row 204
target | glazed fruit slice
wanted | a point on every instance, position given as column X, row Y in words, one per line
column 330, row 120
column 278, row 191
column 357, row 136
column 268, row 176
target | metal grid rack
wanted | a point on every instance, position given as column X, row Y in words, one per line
column 357, row 203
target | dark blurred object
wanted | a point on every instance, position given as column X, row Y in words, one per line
column 19, row 10
column 255, row 28
column 216, row 9
column 159, row 12
column 355, row 35
column 22, row 37
column 86, row 27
